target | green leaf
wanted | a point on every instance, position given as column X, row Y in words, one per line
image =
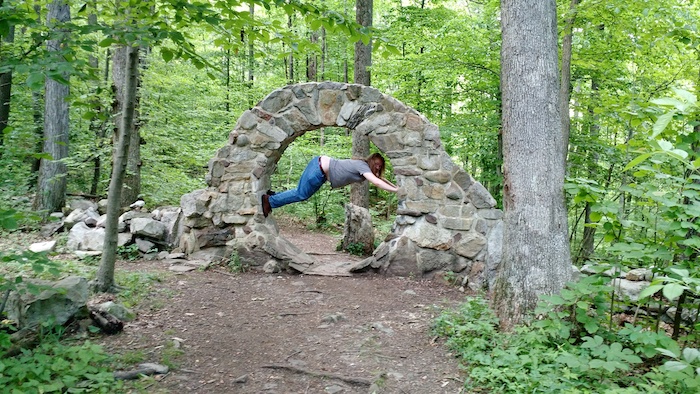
column 672, row 291
column 35, row 80
column 667, row 101
column 316, row 24
column 591, row 327
column 107, row 42
column 166, row 54
column 690, row 354
column 679, row 154
column 665, row 145
column 596, row 364
column 687, row 96
column 662, row 122
column 681, row 272
column 651, row 290
column 4, row 27
column 636, row 161
column 692, row 242
column 675, row 366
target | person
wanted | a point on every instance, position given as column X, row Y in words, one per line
column 338, row 172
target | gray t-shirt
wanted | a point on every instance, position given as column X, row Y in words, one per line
column 344, row 172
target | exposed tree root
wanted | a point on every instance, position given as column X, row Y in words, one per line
column 346, row 379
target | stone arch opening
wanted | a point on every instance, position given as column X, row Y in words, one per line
column 445, row 219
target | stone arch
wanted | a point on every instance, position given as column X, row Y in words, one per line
column 445, row 219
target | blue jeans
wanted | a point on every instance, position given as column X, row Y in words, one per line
column 311, row 180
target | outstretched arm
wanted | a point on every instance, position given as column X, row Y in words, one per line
column 387, row 181
column 380, row 182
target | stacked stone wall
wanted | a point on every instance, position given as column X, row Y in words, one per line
column 444, row 219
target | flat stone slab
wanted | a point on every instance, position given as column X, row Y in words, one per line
column 181, row 268
column 340, row 268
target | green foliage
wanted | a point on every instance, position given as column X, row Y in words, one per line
column 55, row 367
column 170, row 355
column 578, row 309
column 684, row 369
column 133, row 357
column 570, row 347
column 355, row 248
column 651, row 221
column 236, row 265
column 51, row 366
column 135, row 286
column 18, row 264
column 129, row 252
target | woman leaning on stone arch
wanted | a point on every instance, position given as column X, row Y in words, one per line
column 339, row 172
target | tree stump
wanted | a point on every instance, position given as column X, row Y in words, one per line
column 359, row 233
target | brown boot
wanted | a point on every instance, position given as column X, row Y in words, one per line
column 266, row 205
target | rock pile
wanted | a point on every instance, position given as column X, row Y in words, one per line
column 150, row 232
column 628, row 284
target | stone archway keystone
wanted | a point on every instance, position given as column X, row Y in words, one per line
column 445, row 219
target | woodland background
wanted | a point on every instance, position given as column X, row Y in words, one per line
column 444, row 62
column 629, row 73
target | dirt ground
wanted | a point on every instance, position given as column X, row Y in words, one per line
column 282, row 333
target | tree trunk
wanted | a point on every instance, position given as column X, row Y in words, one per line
column 312, row 61
column 323, row 53
column 290, row 78
column 251, row 60
column 536, row 257
column 38, row 128
column 5, row 92
column 51, row 188
column 359, row 192
column 104, row 282
column 588, row 241
column 132, row 177
column 565, row 85
column 97, row 126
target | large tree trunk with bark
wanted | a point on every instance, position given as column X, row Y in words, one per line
column 359, row 192
column 536, row 257
column 104, row 282
column 51, row 189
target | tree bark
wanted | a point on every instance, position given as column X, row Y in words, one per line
column 104, row 282
column 565, row 86
column 588, row 241
column 97, row 126
column 536, row 257
column 51, row 189
column 251, row 60
column 132, row 177
column 5, row 92
column 359, row 192
column 323, row 53
column 312, row 60
column 290, row 78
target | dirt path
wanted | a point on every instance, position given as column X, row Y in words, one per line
column 255, row 333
